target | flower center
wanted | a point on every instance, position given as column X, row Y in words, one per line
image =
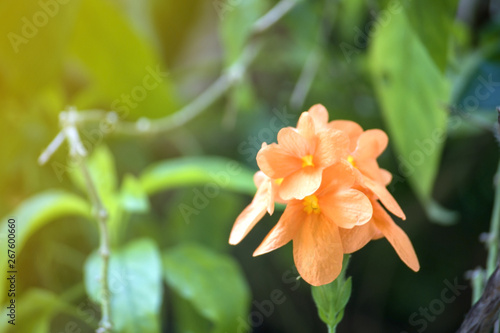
column 307, row 161
column 350, row 159
column 311, row 204
column 278, row 181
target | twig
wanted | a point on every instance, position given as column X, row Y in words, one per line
column 493, row 237
column 273, row 16
column 484, row 313
column 68, row 121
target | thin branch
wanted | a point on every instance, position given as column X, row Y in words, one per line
column 273, row 16
column 68, row 121
column 493, row 237
column 52, row 148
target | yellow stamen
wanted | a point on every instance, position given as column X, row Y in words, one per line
column 311, row 204
column 278, row 181
column 307, row 161
column 350, row 159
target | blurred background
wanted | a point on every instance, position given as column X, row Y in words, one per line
column 233, row 73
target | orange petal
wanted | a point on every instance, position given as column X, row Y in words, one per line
column 284, row 231
column 371, row 144
column 357, row 237
column 346, row 208
column 275, row 162
column 319, row 114
column 385, row 197
column 332, row 145
column 386, row 177
column 352, row 129
column 317, row 250
column 337, row 177
column 252, row 214
column 396, row 236
column 305, row 126
column 301, row 183
column 292, row 142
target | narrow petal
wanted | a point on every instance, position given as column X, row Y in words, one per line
column 397, row 237
column 292, row 142
column 332, row 145
column 357, row 237
column 284, row 231
column 317, row 250
column 352, row 129
column 385, row 197
column 371, row 144
column 346, row 208
column 276, row 162
column 386, row 176
column 259, row 177
column 319, row 114
column 300, row 184
column 305, row 126
column 252, row 214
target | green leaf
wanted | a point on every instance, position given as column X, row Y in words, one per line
column 34, row 311
column 37, row 211
column 133, row 198
column 135, row 286
column 237, row 19
column 413, row 94
column 331, row 299
column 213, row 283
column 125, row 71
column 191, row 171
column 426, row 18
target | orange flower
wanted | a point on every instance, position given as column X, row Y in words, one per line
column 380, row 225
column 300, row 156
column 313, row 224
column 364, row 149
column 266, row 195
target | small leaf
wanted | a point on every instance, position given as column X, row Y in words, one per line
column 331, row 299
column 37, row 211
column 133, row 198
column 191, row 171
column 413, row 94
column 213, row 283
column 134, row 283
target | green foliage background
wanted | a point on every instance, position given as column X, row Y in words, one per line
column 427, row 72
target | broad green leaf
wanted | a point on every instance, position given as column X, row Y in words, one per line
column 236, row 22
column 125, row 71
column 135, row 285
column 133, row 198
column 213, row 283
column 412, row 93
column 33, row 44
column 214, row 172
column 34, row 311
column 331, row 299
column 433, row 23
column 34, row 213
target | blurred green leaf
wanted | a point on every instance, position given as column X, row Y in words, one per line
column 215, row 172
column 37, row 211
column 413, row 95
column 34, row 311
column 135, row 286
column 133, row 198
column 126, row 73
column 433, row 22
column 213, row 283
column 236, row 21
column 331, row 299
column 35, row 34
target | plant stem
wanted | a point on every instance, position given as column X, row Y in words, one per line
column 493, row 237
column 68, row 122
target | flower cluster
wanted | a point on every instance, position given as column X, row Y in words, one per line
column 328, row 176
